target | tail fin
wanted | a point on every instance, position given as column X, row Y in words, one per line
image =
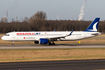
column 93, row 26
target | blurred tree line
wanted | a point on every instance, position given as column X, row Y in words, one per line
column 38, row 22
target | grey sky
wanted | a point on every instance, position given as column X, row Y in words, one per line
column 65, row 9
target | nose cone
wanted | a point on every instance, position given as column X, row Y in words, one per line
column 3, row 38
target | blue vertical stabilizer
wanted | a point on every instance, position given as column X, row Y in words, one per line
column 93, row 26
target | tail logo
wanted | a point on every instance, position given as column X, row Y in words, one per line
column 94, row 27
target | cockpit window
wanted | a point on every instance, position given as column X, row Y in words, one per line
column 7, row 35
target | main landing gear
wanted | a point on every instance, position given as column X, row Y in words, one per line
column 51, row 43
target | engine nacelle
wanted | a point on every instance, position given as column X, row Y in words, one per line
column 43, row 41
column 36, row 42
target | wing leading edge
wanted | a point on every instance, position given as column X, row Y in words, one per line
column 60, row 36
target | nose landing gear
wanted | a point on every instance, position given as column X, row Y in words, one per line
column 13, row 43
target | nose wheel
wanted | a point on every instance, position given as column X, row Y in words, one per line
column 13, row 43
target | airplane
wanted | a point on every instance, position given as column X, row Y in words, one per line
column 48, row 37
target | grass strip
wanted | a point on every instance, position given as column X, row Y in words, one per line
column 14, row 55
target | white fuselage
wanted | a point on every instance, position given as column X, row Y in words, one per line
column 52, row 36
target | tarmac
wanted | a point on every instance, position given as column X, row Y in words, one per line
column 56, row 65
column 52, row 46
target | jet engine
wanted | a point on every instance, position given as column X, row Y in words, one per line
column 43, row 41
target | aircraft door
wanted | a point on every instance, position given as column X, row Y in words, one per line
column 14, row 36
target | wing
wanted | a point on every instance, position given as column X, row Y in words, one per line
column 60, row 36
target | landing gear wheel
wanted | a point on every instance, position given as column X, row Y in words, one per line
column 53, row 43
column 49, row 43
column 13, row 43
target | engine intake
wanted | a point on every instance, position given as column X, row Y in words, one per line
column 36, row 42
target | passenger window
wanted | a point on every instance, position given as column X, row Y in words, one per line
column 7, row 35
